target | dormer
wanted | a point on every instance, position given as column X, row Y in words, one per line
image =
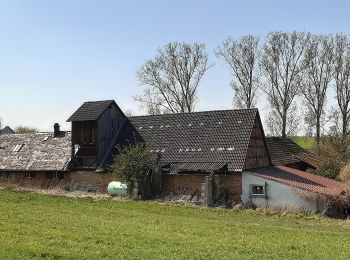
column 94, row 126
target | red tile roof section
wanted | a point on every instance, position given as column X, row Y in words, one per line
column 300, row 179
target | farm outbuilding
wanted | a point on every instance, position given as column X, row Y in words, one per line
column 207, row 155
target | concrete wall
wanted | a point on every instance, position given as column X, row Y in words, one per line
column 279, row 195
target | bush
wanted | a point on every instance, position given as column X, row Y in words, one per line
column 345, row 173
column 131, row 164
column 329, row 169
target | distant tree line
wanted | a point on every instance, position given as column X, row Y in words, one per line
column 285, row 67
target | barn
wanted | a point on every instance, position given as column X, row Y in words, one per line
column 204, row 156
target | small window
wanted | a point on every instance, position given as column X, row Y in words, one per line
column 258, row 190
column 28, row 175
column 17, row 148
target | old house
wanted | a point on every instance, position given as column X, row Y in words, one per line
column 203, row 155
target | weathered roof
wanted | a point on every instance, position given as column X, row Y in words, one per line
column 211, row 136
column 90, row 110
column 7, row 131
column 35, row 152
column 300, row 179
column 284, row 151
column 199, row 167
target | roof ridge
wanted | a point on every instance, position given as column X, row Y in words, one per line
column 196, row 112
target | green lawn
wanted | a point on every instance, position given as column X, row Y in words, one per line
column 37, row 226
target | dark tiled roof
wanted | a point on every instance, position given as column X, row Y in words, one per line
column 36, row 152
column 7, row 131
column 91, row 110
column 300, row 179
column 211, row 137
column 284, row 151
column 200, row 167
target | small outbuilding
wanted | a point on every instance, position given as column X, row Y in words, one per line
column 283, row 187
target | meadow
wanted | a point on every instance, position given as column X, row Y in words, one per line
column 34, row 226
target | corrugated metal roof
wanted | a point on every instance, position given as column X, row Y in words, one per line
column 300, row 179
column 200, row 167
column 211, row 136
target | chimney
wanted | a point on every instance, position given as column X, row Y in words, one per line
column 56, row 130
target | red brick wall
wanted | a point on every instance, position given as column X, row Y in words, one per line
column 76, row 180
column 182, row 184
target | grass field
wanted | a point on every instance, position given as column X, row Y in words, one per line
column 37, row 226
column 306, row 142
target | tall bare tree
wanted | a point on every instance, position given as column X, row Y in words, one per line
column 318, row 63
column 242, row 57
column 282, row 66
column 172, row 78
column 342, row 79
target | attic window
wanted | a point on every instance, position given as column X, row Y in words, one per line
column 17, row 148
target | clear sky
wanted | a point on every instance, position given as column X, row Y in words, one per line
column 54, row 55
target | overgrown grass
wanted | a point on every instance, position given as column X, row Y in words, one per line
column 37, row 226
column 308, row 143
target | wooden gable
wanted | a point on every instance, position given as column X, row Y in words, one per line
column 257, row 153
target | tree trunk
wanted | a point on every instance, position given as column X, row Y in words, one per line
column 284, row 124
column 318, row 130
column 345, row 124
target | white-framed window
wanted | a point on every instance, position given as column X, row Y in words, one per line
column 28, row 175
column 258, row 190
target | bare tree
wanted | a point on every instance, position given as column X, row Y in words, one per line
column 342, row 79
column 282, row 65
column 172, row 78
column 318, row 63
column 274, row 123
column 242, row 57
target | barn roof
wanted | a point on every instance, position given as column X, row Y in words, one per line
column 201, row 137
column 300, row 179
column 90, row 110
column 7, row 130
column 35, row 152
column 284, row 151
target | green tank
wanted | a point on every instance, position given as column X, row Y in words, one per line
column 117, row 188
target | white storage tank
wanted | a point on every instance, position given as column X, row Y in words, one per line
column 117, row 188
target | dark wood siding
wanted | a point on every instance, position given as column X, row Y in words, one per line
column 108, row 126
column 257, row 154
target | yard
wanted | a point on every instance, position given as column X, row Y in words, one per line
column 37, row 226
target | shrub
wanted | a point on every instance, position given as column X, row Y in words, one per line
column 345, row 173
column 131, row 164
column 329, row 169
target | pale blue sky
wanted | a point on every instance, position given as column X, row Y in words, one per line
column 54, row 55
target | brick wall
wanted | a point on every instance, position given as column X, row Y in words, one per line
column 188, row 184
column 232, row 183
column 182, row 184
column 76, row 180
